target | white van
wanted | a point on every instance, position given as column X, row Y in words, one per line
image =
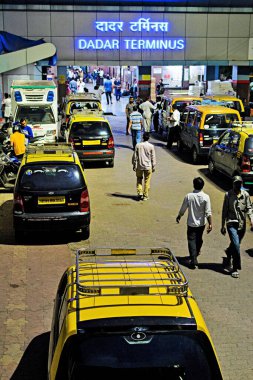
column 36, row 101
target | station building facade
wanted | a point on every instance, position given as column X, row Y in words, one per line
column 218, row 39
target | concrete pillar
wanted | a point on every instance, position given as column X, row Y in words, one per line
column 241, row 81
column 211, row 73
column 144, row 81
column 62, row 78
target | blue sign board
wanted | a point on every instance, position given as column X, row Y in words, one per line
column 129, row 43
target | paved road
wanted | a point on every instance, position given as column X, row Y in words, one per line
column 30, row 273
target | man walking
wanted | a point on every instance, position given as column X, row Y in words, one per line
column 135, row 125
column 199, row 212
column 144, row 162
column 73, row 86
column 128, row 110
column 147, row 107
column 236, row 206
column 117, row 86
column 108, row 89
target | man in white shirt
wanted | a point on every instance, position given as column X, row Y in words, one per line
column 174, row 127
column 147, row 107
column 199, row 212
column 6, row 103
column 80, row 86
column 98, row 91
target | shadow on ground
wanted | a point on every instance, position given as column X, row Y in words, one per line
column 250, row 252
column 215, row 267
column 125, row 196
column 220, row 181
column 33, row 364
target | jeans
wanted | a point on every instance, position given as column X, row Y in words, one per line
column 117, row 95
column 108, row 95
column 195, row 241
column 235, row 236
column 136, row 136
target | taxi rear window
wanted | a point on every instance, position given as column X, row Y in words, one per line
column 84, row 105
column 219, row 120
column 184, row 103
column 51, row 177
column 187, row 355
column 89, row 129
column 248, row 149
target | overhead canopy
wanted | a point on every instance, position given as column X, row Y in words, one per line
column 10, row 42
column 16, row 51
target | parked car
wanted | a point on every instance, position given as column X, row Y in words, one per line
column 121, row 312
column 201, row 126
column 78, row 102
column 181, row 101
column 92, row 138
column 51, row 192
column 232, row 154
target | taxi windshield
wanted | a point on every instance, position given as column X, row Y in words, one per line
column 36, row 114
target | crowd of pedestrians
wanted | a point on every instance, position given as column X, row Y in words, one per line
column 237, row 203
column 141, row 116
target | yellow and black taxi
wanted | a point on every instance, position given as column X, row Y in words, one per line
column 232, row 154
column 78, row 102
column 51, row 192
column 128, row 312
column 91, row 136
column 201, row 126
column 167, row 103
column 225, row 100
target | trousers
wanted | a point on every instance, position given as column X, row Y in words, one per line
column 136, row 136
column 143, row 190
column 235, row 236
column 195, row 241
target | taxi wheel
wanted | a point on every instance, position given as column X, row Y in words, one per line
column 211, row 167
column 194, row 155
column 85, row 233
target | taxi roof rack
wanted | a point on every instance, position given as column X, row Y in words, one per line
column 129, row 271
column 49, row 148
column 85, row 112
column 81, row 96
column 242, row 124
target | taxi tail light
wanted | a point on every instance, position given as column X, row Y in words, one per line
column 110, row 143
column 84, row 201
column 201, row 139
column 246, row 167
column 72, row 142
column 18, row 203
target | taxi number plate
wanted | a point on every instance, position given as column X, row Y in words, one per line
column 91, row 142
column 51, row 200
